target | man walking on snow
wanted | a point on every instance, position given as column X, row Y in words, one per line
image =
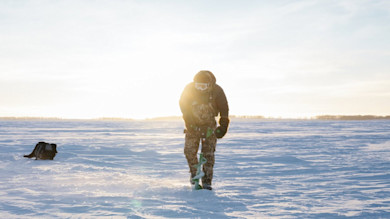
column 201, row 101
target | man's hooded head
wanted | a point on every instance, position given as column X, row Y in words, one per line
column 204, row 80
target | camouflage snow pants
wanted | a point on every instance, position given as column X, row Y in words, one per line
column 191, row 148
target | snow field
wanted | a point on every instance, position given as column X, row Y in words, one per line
column 137, row 169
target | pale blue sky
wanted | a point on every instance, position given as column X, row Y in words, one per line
column 88, row 59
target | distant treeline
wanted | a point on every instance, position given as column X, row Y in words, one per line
column 29, row 118
column 322, row 117
column 351, row 117
column 58, row 118
column 247, row 117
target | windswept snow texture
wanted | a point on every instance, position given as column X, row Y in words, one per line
column 137, row 169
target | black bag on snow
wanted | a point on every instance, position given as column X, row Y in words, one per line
column 43, row 151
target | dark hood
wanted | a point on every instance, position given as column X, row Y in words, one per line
column 205, row 73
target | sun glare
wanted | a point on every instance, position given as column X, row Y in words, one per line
column 121, row 62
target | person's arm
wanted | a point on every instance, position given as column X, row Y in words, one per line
column 223, row 107
column 185, row 106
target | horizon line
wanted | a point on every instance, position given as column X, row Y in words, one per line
column 318, row 117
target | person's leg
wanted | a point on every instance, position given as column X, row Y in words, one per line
column 208, row 149
column 191, row 147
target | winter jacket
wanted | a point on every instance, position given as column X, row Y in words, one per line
column 200, row 108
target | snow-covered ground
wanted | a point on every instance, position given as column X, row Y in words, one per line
column 137, row 169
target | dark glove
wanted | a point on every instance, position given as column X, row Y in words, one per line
column 220, row 131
